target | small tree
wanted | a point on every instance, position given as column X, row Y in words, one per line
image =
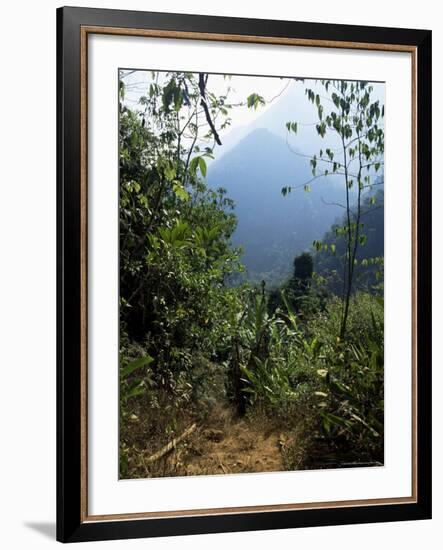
column 303, row 271
column 348, row 111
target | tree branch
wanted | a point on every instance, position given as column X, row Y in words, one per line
column 202, row 80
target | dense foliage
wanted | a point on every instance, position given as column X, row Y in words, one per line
column 191, row 342
column 353, row 117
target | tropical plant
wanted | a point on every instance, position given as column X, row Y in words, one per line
column 348, row 111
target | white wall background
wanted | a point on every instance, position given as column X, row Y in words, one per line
column 27, row 274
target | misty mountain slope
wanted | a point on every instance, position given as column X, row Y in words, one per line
column 292, row 105
column 326, row 262
column 272, row 228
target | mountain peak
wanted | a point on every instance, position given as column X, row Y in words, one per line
column 265, row 147
column 260, row 134
column 261, row 131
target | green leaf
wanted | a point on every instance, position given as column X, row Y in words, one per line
column 193, row 166
column 313, row 163
column 166, row 168
column 133, row 391
column 332, row 419
column 180, row 191
column 168, row 95
column 254, row 100
column 122, row 89
column 198, row 162
column 136, row 364
column 202, row 166
column 317, row 245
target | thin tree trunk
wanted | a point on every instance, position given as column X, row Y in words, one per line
column 348, row 272
column 238, row 385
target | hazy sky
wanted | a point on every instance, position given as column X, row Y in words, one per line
column 241, row 88
column 285, row 101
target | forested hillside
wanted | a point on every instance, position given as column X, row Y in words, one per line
column 329, row 261
column 271, row 228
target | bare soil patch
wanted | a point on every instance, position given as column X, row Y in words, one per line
column 223, row 444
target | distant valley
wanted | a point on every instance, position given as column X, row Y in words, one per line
column 272, row 229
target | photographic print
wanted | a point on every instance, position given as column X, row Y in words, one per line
column 251, row 215
column 233, row 351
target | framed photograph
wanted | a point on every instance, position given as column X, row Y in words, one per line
column 244, row 274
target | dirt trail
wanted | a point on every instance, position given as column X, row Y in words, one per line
column 230, row 445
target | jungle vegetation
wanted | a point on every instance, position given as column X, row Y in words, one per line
column 277, row 373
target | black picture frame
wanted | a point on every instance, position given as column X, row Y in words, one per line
column 71, row 523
